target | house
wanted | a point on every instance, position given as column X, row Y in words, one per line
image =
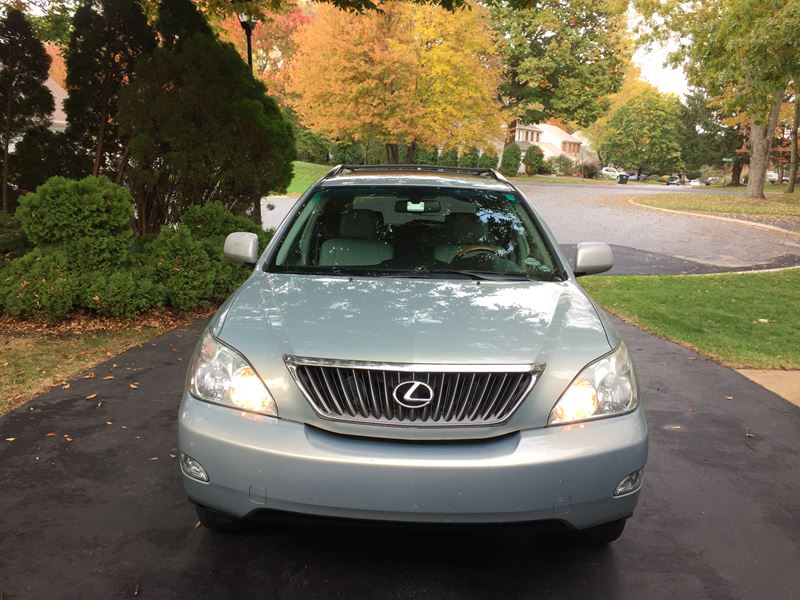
column 553, row 141
column 58, row 119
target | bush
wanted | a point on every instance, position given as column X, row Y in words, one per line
column 13, row 242
column 488, row 160
column 533, row 159
column 590, row 171
column 39, row 284
column 125, row 293
column 512, row 156
column 470, row 158
column 89, row 219
column 181, row 264
column 448, row 158
column 562, row 165
column 426, row 157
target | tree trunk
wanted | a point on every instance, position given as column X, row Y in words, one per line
column 511, row 132
column 411, row 150
column 101, row 139
column 736, row 173
column 5, row 179
column 393, row 153
column 123, row 163
column 760, row 143
column 793, row 134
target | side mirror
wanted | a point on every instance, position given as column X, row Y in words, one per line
column 593, row 257
column 242, row 247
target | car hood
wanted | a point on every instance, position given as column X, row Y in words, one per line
column 410, row 320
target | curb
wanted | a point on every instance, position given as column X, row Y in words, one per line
column 717, row 218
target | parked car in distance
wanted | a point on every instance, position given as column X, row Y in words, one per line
column 712, row 180
column 413, row 345
column 695, row 183
column 772, row 177
column 673, row 180
column 609, row 172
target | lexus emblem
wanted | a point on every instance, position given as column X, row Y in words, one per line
column 413, row 394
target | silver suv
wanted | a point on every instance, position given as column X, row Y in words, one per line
column 413, row 346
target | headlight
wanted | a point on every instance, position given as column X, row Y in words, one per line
column 221, row 375
column 604, row 388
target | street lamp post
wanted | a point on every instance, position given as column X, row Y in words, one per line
column 248, row 22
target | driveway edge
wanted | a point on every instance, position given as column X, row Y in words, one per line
column 716, row 217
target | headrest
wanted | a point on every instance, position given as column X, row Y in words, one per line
column 360, row 224
column 465, row 227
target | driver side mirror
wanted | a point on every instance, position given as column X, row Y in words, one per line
column 242, row 247
column 593, row 257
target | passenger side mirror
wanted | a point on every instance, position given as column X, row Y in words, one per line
column 242, row 247
column 593, row 257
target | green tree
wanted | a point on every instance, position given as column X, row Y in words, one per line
column 533, row 159
column 644, row 133
column 561, row 59
column 509, row 165
column 705, row 138
column 745, row 53
column 200, row 128
column 24, row 99
column 42, row 154
column 108, row 38
column 51, row 19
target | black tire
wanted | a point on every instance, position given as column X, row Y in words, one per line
column 217, row 521
column 603, row 534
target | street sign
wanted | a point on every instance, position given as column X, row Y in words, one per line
column 727, row 160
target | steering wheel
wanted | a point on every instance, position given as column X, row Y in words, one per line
column 472, row 249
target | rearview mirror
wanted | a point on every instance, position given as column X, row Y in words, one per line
column 242, row 247
column 593, row 257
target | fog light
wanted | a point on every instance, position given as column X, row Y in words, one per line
column 193, row 468
column 630, row 484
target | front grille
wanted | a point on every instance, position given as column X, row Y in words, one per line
column 398, row 394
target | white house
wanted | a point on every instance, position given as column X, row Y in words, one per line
column 58, row 119
column 553, row 141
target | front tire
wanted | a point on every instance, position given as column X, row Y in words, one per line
column 217, row 521
column 602, row 535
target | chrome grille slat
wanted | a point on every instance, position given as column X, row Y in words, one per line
column 463, row 395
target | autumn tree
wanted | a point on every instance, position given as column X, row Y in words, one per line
column 644, row 133
column 410, row 75
column 744, row 52
column 24, row 99
column 561, row 59
column 108, row 37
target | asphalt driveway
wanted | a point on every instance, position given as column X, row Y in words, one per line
column 92, row 505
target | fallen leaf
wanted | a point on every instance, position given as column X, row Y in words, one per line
column 692, row 409
column 90, row 396
column 65, row 386
column 728, row 397
column 10, row 439
column 109, row 423
column 89, row 376
column 66, row 437
column 173, row 456
column 52, row 434
column 124, row 426
column 153, row 458
column 134, row 386
column 99, row 404
column 748, row 433
column 198, row 525
column 173, row 349
column 136, row 589
column 108, row 377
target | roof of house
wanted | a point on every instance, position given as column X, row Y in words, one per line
column 527, row 126
column 558, row 132
column 59, row 95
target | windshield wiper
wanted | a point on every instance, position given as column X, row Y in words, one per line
column 474, row 275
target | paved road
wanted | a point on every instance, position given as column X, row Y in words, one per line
column 97, row 516
column 644, row 241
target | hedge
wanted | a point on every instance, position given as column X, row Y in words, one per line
column 86, row 258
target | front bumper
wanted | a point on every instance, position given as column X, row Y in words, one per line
column 566, row 473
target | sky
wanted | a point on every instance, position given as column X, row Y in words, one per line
column 665, row 78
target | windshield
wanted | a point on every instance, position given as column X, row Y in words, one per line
column 415, row 231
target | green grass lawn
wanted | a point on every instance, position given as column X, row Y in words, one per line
column 305, row 174
column 750, row 320
column 776, row 205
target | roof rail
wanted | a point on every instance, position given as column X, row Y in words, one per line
column 480, row 171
